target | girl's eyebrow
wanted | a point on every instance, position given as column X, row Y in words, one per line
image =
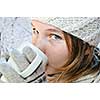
column 54, row 30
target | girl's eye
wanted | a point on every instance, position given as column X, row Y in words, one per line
column 55, row 37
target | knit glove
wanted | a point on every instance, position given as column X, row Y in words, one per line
column 8, row 73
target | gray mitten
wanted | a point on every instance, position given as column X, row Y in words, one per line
column 9, row 75
column 14, row 70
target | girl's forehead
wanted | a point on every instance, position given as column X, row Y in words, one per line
column 45, row 26
column 39, row 23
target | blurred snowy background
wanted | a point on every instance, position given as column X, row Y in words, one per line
column 14, row 31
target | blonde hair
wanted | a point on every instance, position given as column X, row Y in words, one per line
column 81, row 60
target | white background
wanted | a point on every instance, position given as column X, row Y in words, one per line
column 48, row 8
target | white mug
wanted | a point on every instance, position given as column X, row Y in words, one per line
column 40, row 58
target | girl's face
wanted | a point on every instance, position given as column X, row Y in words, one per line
column 51, row 41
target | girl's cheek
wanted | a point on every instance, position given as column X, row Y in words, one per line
column 57, row 56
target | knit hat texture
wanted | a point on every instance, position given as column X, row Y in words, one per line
column 86, row 28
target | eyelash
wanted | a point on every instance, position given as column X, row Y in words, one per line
column 57, row 37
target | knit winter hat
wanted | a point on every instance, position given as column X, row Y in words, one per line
column 86, row 28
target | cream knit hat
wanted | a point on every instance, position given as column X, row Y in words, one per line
column 86, row 28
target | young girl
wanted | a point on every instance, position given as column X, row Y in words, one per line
column 70, row 59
